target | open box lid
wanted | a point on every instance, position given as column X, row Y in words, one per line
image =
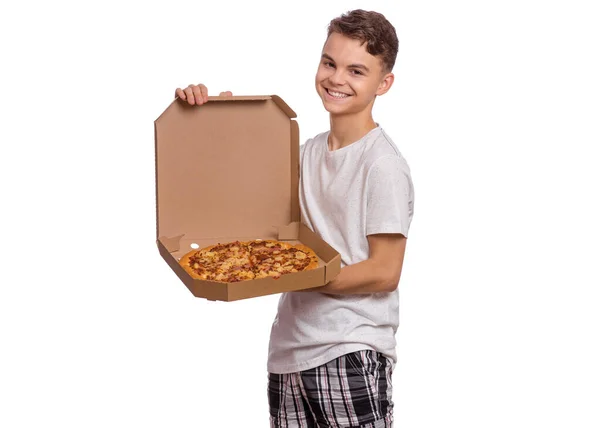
column 228, row 168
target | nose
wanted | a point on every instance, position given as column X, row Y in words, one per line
column 337, row 78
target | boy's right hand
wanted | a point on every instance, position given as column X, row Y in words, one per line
column 197, row 94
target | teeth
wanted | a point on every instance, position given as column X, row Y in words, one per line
column 336, row 94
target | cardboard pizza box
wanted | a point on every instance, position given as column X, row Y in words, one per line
column 229, row 170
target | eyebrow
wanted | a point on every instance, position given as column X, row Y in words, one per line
column 364, row 67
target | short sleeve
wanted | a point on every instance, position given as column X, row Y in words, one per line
column 389, row 196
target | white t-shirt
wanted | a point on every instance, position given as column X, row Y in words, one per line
column 345, row 195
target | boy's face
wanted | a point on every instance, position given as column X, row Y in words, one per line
column 347, row 68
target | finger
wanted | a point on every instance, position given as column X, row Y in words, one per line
column 179, row 93
column 198, row 95
column 204, row 91
column 225, row 94
column 190, row 95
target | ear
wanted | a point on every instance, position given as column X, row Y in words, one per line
column 386, row 83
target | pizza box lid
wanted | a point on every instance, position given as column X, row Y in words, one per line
column 229, row 170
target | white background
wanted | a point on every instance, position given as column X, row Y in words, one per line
column 496, row 107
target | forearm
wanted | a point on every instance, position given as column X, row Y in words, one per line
column 365, row 277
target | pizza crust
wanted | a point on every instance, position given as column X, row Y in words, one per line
column 314, row 260
column 282, row 244
column 185, row 263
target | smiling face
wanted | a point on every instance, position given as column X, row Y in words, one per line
column 349, row 78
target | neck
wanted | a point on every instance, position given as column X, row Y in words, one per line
column 346, row 130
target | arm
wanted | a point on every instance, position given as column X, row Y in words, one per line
column 379, row 273
column 389, row 212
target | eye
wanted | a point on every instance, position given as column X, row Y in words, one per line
column 357, row 72
column 328, row 63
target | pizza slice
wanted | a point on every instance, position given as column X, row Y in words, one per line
column 227, row 262
column 286, row 260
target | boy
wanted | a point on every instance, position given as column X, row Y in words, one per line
column 332, row 348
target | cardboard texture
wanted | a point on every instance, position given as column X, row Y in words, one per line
column 229, row 170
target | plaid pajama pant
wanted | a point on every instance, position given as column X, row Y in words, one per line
column 352, row 391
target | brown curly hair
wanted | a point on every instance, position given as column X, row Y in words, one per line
column 372, row 28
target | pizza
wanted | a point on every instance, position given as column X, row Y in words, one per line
column 245, row 260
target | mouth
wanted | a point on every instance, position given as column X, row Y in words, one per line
column 336, row 95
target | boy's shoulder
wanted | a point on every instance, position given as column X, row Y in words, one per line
column 383, row 151
column 312, row 141
column 319, row 137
